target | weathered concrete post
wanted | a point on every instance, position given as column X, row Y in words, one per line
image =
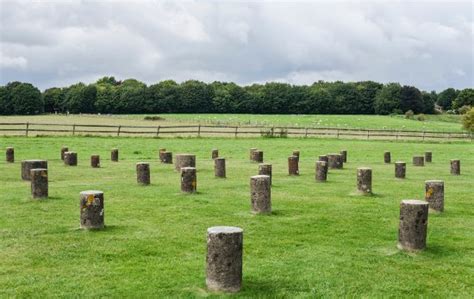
column 296, row 153
column 215, row 153
column 335, row 161
column 10, row 155
column 321, row 171
column 95, row 161
column 364, row 180
column 224, row 258
column 188, row 179
column 257, row 156
column 434, row 194
column 92, row 209
column 344, row 156
column 428, row 157
column 70, row 158
column 456, row 167
column 387, row 157
column 39, row 182
column 265, row 169
column 293, row 165
column 114, row 155
column 323, row 158
column 63, row 150
column 251, row 153
column 27, row 165
column 413, row 225
column 166, row 157
column 260, row 194
column 400, row 169
column 418, row 161
column 184, row 160
column 219, row 167
column 143, row 173
column 160, row 154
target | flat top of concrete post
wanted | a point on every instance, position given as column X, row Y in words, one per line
column 253, row 148
column 364, row 168
column 387, row 152
column 264, row 164
column 260, row 176
column 95, row 155
column 414, row 202
column 140, row 163
column 34, row 160
column 89, row 192
column 220, row 158
column 400, row 162
column 321, row 162
column 322, row 155
column 435, row 181
column 224, row 230
column 418, row 156
column 188, row 168
column 39, row 169
column 333, row 154
column 70, row 152
column 9, row 147
column 185, row 155
column 115, row 149
column 455, row 160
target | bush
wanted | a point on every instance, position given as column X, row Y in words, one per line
column 409, row 114
column 464, row 109
column 421, row 117
column 153, row 118
column 271, row 133
column 468, row 120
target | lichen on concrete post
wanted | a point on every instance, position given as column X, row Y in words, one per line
column 28, row 165
column 214, row 153
column 70, row 158
column 260, row 194
column 257, row 156
column 95, row 161
column 293, row 165
column 10, row 155
column 219, row 167
column 321, row 171
column 92, row 209
column 39, row 182
column 335, row 161
column 413, row 225
column 184, row 160
column 323, row 158
column 224, row 259
column 265, row 169
column 456, row 167
column 143, row 173
column 387, row 157
column 418, row 161
column 251, row 153
column 188, row 180
column 296, row 153
column 434, row 194
column 114, row 155
column 364, row 180
column 166, row 157
column 400, row 169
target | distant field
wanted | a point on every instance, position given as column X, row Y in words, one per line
column 450, row 123
column 321, row 241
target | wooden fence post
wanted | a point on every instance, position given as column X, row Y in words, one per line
column 368, row 132
column 158, row 131
column 118, row 131
column 73, row 129
column 337, row 133
column 27, row 128
column 306, row 132
column 199, row 130
column 423, row 135
column 236, row 128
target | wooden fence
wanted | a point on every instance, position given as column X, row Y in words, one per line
column 37, row 129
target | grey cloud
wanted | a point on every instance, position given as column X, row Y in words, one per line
column 427, row 44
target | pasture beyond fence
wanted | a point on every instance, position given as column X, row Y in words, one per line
column 40, row 129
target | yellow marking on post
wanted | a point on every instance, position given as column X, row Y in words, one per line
column 90, row 199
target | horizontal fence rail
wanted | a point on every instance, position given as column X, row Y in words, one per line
column 37, row 129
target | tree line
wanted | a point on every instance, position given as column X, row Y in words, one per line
column 131, row 96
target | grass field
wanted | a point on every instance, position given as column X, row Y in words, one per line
column 450, row 123
column 322, row 239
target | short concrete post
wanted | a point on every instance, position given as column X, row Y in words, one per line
column 10, row 155
column 428, row 157
column 251, row 153
column 92, row 209
column 95, row 161
column 63, row 150
column 114, row 155
column 400, row 169
column 296, row 153
column 456, row 167
column 28, row 165
column 323, row 158
column 188, row 179
column 70, row 158
column 219, row 167
column 160, row 154
column 344, row 156
column 418, row 161
column 224, row 259
column 364, row 180
column 434, row 194
column 215, row 153
column 413, row 225
column 257, row 156
column 321, row 171
column 260, row 194
column 166, row 157
column 387, row 157
column 39, row 182
column 143, row 173
column 265, row 169
column 184, row 160
column 293, row 165
column 335, row 161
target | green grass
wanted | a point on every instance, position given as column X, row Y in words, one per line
column 450, row 123
column 322, row 239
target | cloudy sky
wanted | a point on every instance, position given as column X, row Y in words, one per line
column 428, row 44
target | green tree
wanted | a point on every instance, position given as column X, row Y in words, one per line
column 24, row 98
column 196, row 97
column 345, row 98
column 411, row 99
column 367, row 91
column 5, row 101
column 446, row 98
column 80, row 98
column 53, row 97
column 468, row 120
column 387, row 99
column 464, row 98
column 429, row 100
column 163, row 97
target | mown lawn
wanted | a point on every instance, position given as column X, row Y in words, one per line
column 322, row 240
column 447, row 123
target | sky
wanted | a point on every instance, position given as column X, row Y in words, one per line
column 427, row 44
